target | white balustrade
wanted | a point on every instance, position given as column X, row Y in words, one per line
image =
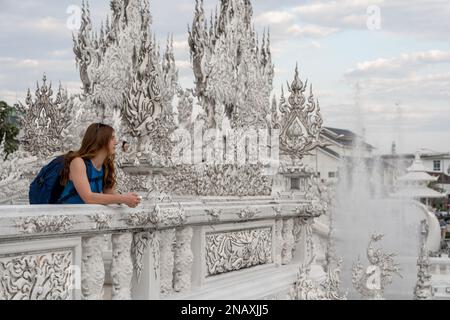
column 156, row 250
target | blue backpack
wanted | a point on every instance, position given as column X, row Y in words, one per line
column 46, row 187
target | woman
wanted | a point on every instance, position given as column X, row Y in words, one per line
column 89, row 173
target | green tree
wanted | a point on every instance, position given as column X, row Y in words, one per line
column 9, row 129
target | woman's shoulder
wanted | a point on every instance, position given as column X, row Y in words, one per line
column 77, row 162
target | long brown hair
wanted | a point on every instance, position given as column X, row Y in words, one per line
column 97, row 137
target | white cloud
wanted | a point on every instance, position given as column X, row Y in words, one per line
column 274, row 17
column 415, row 82
column 310, row 31
column 27, row 63
column 48, row 24
column 12, row 97
column 61, row 53
column 407, row 17
column 403, row 64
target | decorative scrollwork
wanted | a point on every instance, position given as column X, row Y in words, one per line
column 214, row 213
column 236, row 250
column 136, row 219
column 278, row 210
column 36, row 277
column 140, row 243
column 102, row 220
column 46, row 224
column 248, row 213
column 169, row 216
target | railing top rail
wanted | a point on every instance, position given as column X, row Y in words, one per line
column 49, row 220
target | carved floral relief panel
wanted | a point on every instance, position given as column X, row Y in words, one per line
column 236, row 250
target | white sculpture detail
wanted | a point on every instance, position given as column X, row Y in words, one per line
column 371, row 282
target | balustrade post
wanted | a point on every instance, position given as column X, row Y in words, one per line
column 121, row 266
column 288, row 241
column 145, row 252
column 92, row 268
column 166, row 249
column 184, row 258
column 278, row 242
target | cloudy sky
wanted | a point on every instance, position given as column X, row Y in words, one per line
column 379, row 67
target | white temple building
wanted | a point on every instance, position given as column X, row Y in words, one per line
column 414, row 184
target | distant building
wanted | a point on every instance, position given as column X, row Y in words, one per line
column 435, row 164
column 339, row 143
column 415, row 183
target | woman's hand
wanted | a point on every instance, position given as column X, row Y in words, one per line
column 131, row 199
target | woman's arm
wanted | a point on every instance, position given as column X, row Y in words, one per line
column 80, row 181
column 110, row 191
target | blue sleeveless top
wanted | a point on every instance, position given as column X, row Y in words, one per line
column 70, row 194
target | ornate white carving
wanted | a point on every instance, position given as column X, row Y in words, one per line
column 233, row 75
column 278, row 210
column 122, row 266
column 299, row 120
column 102, row 220
column 121, row 68
column 44, row 120
column 143, row 106
column 170, row 216
column 166, row 249
column 423, row 289
column 92, row 268
column 211, row 180
column 214, row 213
column 184, row 258
column 36, row 277
column 14, row 181
column 46, row 224
column 319, row 195
column 236, row 250
column 248, row 213
column 136, row 219
column 304, row 288
column 140, row 243
column 370, row 282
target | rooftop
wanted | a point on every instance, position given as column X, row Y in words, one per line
column 343, row 136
